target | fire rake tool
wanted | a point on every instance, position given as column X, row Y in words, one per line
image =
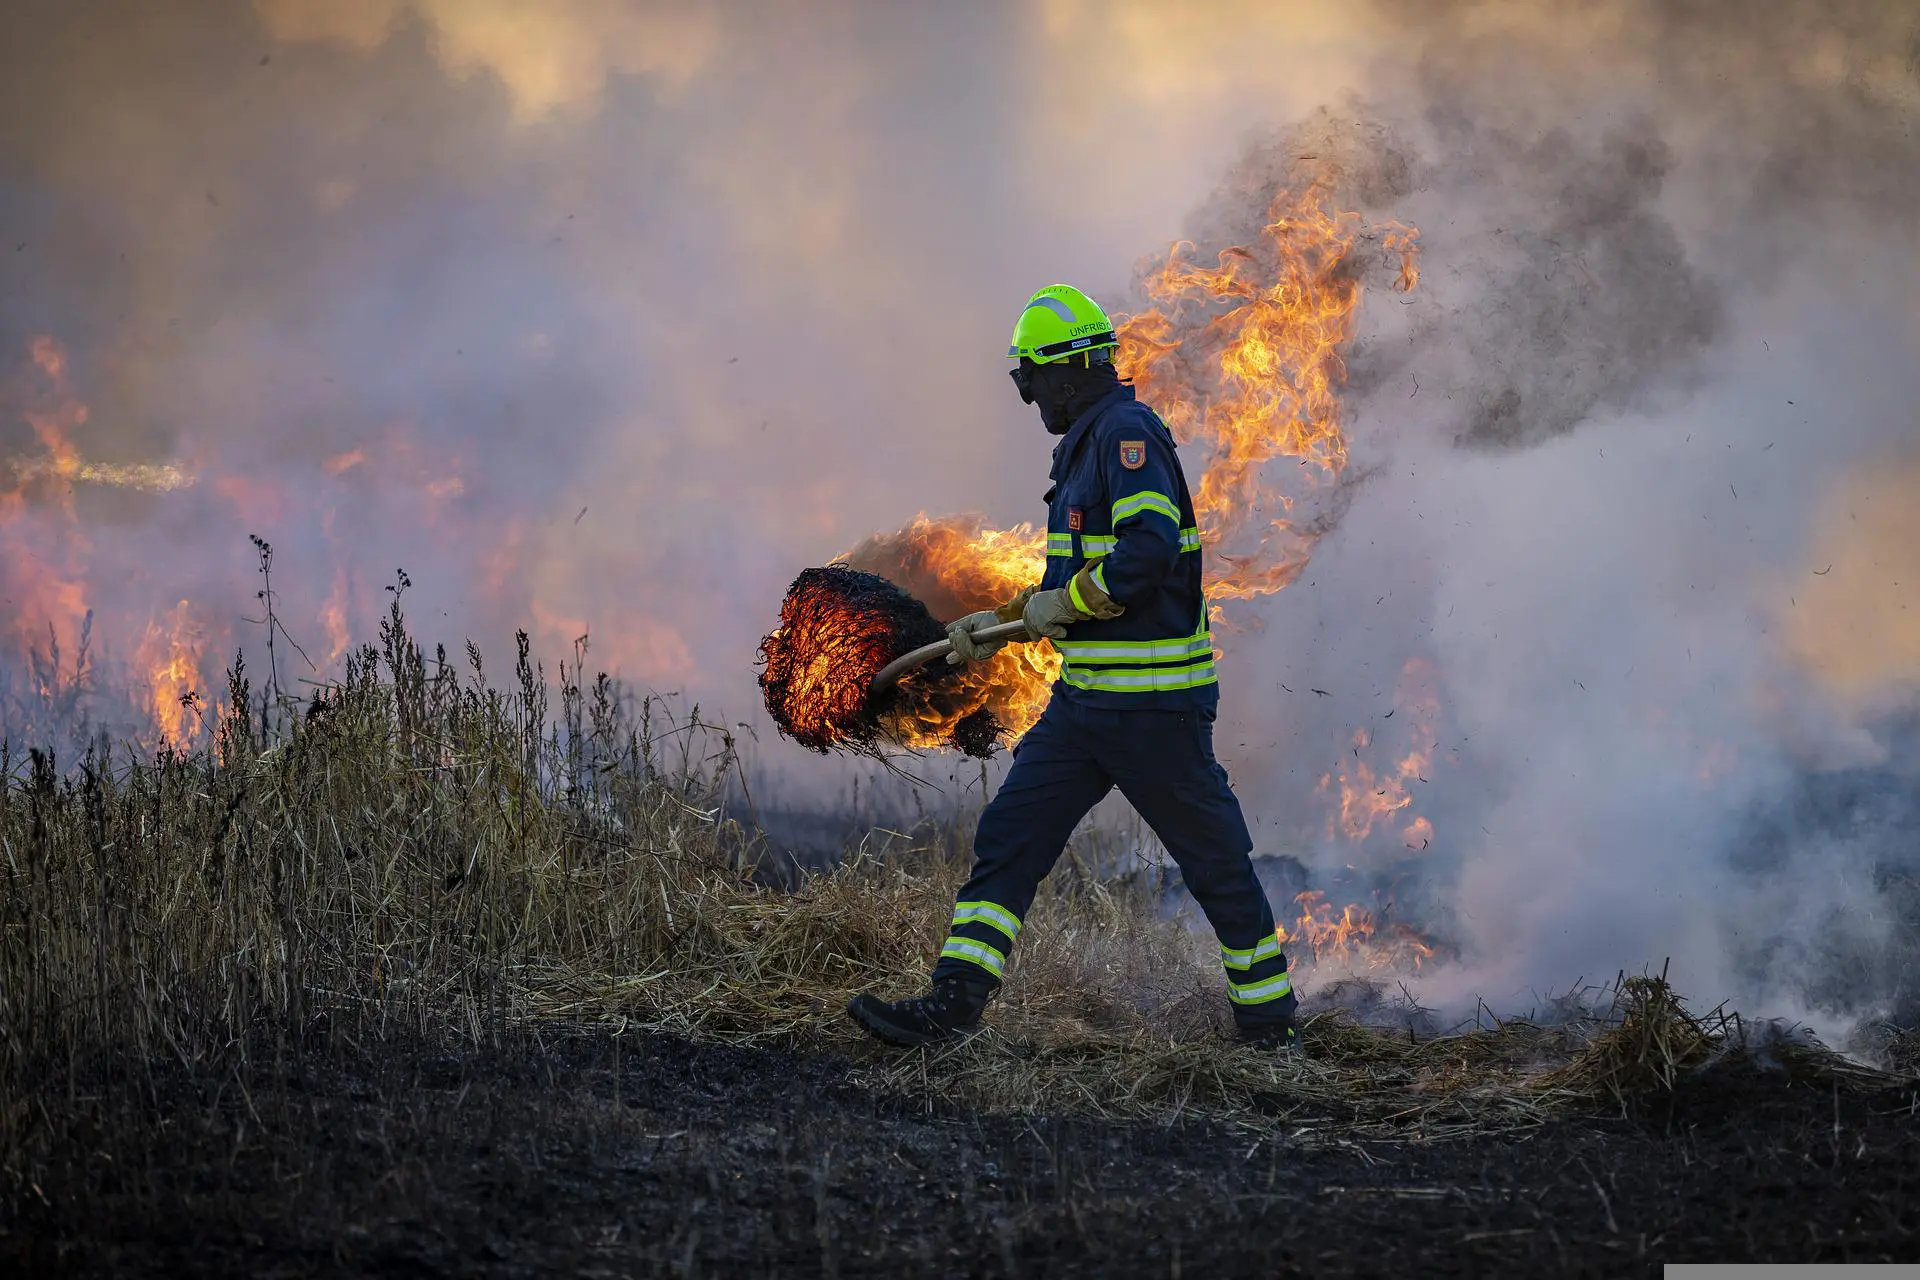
column 891, row 674
column 831, row 671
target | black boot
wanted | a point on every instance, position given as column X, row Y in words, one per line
column 951, row 1008
column 1277, row 1034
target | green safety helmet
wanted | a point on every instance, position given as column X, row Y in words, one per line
column 1060, row 321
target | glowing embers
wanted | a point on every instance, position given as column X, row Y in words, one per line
column 838, row 628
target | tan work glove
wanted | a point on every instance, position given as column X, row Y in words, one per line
column 1050, row 613
column 965, row 648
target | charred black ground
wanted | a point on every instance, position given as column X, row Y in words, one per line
column 586, row 1153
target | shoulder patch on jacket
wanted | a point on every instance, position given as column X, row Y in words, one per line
column 1133, row 454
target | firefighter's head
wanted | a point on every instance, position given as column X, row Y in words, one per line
column 1063, row 347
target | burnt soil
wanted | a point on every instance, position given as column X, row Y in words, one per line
column 658, row 1156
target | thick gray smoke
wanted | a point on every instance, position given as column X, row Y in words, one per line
column 1666, row 315
column 605, row 319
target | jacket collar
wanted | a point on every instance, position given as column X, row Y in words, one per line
column 1070, row 442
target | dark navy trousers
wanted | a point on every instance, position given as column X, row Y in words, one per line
column 1163, row 763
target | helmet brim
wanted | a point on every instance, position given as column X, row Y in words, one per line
column 1053, row 351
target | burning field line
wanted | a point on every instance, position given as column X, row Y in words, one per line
column 421, row 857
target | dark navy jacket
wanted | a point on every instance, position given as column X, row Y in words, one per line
column 1119, row 499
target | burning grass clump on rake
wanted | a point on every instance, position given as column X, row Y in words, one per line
column 420, row 857
column 839, row 627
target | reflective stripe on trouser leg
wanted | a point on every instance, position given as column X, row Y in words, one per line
column 1164, row 764
column 1258, row 983
column 983, row 934
column 1260, row 992
column 1257, row 974
column 985, row 955
column 1242, row 959
column 1053, row 782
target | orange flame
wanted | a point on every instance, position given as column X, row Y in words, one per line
column 957, row 567
column 1242, row 360
column 62, row 461
column 1259, row 380
column 44, row 563
column 340, row 463
column 148, row 660
column 1367, row 796
column 42, row 547
column 333, row 618
column 170, row 655
column 1353, row 938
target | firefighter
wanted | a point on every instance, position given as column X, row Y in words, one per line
column 1133, row 707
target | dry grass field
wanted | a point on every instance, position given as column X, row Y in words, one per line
column 433, row 975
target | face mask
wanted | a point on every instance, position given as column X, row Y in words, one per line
column 1051, row 388
column 1022, row 375
column 1055, row 418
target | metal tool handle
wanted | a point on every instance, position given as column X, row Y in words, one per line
column 891, row 673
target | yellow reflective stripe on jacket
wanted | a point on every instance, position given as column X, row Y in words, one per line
column 1259, row 992
column 1134, row 652
column 993, row 960
column 1246, row 957
column 1144, row 680
column 1146, row 500
column 987, row 913
column 1100, row 544
column 1059, row 544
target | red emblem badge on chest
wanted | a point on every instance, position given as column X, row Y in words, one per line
column 1133, row 454
column 1074, row 519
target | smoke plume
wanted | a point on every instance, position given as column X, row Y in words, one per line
column 1664, row 337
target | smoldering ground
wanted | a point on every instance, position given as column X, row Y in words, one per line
column 685, row 299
